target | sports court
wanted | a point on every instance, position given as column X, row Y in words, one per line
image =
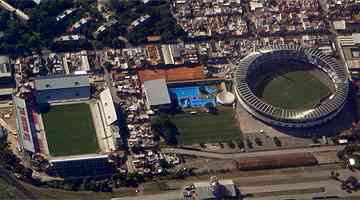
column 69, row 130
column 195, row 96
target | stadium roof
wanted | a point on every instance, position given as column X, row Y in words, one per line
column 77, row 157
column 328, row 107
column 157, row 92
column 61, row 82
column 204, row 190
column 108, row 106
column 4, row 59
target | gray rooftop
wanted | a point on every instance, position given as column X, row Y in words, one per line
column 225, row 189
column 61, row 82
column 157, row 92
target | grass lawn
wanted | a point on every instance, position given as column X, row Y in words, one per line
column 293, row 90
column 207, row 128
column 69, row 130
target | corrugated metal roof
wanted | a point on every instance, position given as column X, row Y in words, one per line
column 157, row 92
column 61, row 82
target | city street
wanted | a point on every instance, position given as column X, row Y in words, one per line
column 252, row 154
column 256, row 186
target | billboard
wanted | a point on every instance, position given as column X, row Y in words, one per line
column 23, row 124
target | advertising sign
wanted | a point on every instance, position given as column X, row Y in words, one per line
column 23, row 124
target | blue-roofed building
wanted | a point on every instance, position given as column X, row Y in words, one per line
column 53, row 89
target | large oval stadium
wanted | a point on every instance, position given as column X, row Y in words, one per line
column 290, row 86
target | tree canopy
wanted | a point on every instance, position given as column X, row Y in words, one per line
column 164, row 127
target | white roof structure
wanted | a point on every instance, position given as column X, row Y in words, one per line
column 108, row 106
column 156, row 92
column 225, row 98
column 77, row 157
column 339, row 24
column 4, row 59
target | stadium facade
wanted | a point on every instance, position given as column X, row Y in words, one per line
column 292, row 118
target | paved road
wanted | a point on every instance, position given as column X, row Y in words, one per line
column 270, row 183
column 251, row 154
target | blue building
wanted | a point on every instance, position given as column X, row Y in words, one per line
column 53, row 89
column 81, row 165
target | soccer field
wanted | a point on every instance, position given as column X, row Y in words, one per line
column 293, row 90
column 207, row 128
column 69, row 130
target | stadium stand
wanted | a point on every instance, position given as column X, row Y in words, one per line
column 322, row 113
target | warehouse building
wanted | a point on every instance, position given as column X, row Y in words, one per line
column 56, row 89
column 156, row 93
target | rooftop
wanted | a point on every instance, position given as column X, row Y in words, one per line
column 108, row 106
column 61, row 82
column 156, row 92
column 173, row 74
column 225, row 188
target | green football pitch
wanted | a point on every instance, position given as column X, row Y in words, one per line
column 297, row 89
column 207, row 128
column 69, row 130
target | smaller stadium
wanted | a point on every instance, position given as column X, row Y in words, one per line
column 60, row 122
column 290, row 86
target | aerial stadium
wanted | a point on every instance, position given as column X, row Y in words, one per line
column 61, row 124
column 290, row 86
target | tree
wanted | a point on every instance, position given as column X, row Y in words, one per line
column 164, row 127
column 249, row 143
column 108, row 66
column 258, row 141
column 277, row 142
column 231, row 144
column 211, row 108
column 240, row 144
